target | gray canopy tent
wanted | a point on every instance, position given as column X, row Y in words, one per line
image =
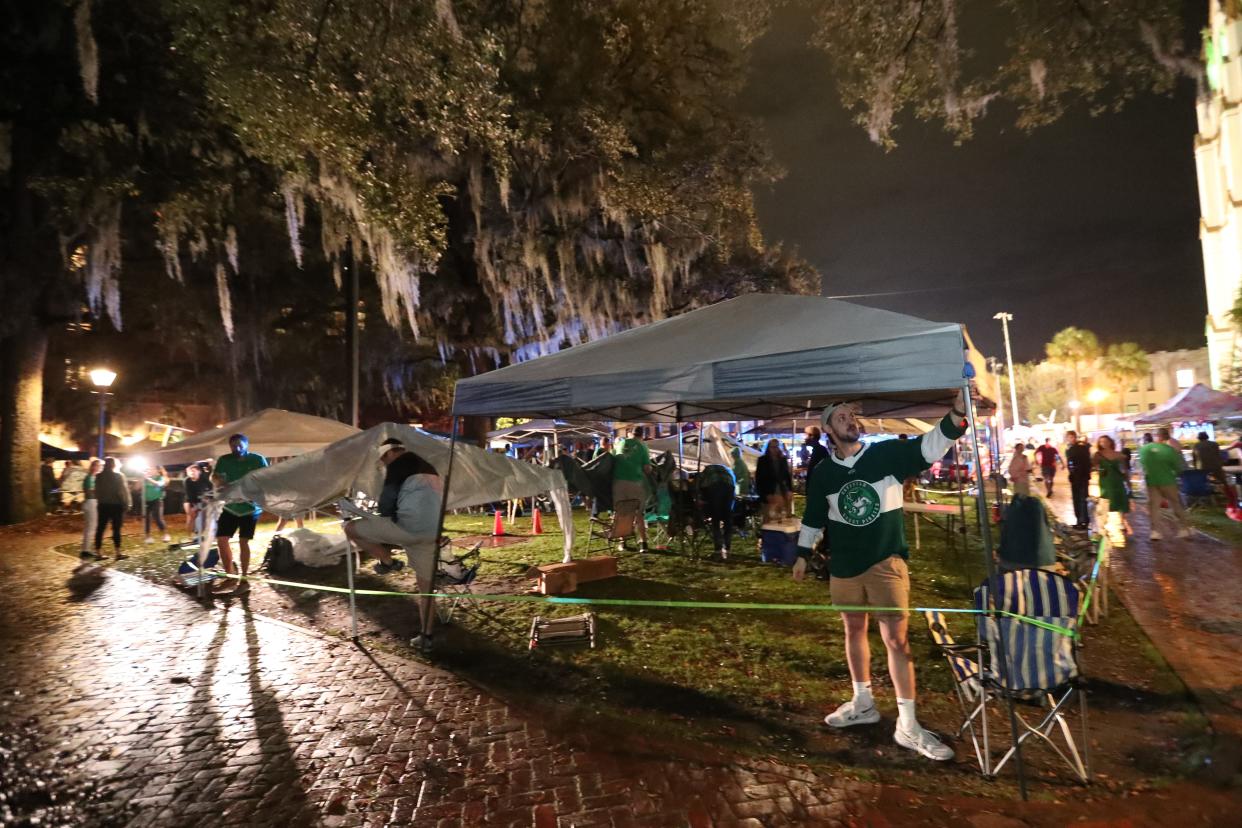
column 754, row 357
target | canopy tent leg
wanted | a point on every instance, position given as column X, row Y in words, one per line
column 427, row 609
column 351, row 559
column 985, row 534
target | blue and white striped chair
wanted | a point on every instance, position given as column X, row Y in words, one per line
column 1033, row 658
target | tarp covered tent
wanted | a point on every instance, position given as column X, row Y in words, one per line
column 350, row 466
column 757, row 357
column 1197, row 404
column 717, row 448
column 273, row 432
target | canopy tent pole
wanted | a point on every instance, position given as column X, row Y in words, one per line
column 351, row 559
column 985, row 534
column 429, row 611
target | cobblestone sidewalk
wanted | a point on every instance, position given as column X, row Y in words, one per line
column 221, row 717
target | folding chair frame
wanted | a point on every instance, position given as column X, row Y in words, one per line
column 458, row 590
column 605, row 530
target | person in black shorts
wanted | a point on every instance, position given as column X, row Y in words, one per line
column 240, row 518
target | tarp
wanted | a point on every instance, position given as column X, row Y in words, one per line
column 273, row 432
column 1197, row 404
column 351, row 467
column 758, row 356
column 717, row 448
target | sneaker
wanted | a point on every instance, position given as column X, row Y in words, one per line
column 167, row 537
column 724, row 554
column 1186, row 532
column 847, row 715
column 382, row 568
column 421, row 643
column 1156, row 535
column 148, row 539
column 923, row 742
column 85, row 554
column 121, row 556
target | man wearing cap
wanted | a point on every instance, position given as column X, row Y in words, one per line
column 237, row 517
column 409, row 516
column 855, row 495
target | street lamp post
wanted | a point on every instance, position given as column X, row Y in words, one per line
column 102, row 379
column 1094, row 396
column 1005, row 319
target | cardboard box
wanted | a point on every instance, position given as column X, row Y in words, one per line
column 555, row 579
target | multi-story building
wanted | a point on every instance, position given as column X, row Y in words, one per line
column 1218, row 158
column 1171, row 373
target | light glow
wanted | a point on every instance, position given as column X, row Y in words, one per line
column 137, row 463
column 102, row 377
column 1095, row 395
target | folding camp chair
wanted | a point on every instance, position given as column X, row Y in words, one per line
column 453, row 579
column 622, row 524
column 964, row 660
column 1033, row 659
column 1196, row 488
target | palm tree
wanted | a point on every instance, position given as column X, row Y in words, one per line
column 1125, row 363
column 1073, row 348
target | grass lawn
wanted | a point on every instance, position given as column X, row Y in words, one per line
column 711, row 682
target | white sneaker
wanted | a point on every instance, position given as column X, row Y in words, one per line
column 1186, row 532
column 923, row 742
column 167, row 537
column 847, row 715
column 1156, row 535
column 724, row 554
column 148, row 539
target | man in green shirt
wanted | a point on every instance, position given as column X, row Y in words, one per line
column 236, row 517
column 855, row 495
column 1161, row 465
column 630, row 466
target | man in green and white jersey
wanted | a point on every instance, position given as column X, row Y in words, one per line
column 855, row 495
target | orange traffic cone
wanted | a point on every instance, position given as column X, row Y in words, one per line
column 498, row 529
column 536, row 526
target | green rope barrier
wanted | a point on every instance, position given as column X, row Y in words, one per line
column 661, row 604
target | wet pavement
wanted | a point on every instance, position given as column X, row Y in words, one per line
column 219, row 716
column 1186, row 594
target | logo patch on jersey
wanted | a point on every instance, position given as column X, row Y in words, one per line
column 858, row 502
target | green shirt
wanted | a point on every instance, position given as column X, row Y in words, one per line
column 1161, row 464
column 858, row 501
column 153, row 488
column 232, row 469
column 631, row 456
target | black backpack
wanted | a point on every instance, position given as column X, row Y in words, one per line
column 279, row 558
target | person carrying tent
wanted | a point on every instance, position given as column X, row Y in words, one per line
column 241, row 517
column 855, row 497
column 716, row 484
column 409, row 514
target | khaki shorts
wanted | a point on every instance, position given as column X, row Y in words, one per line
column 885, row 584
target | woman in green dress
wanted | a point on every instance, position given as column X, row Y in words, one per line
column 1110, row 464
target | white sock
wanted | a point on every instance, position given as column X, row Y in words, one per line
column 862, row 694
column 905, row 715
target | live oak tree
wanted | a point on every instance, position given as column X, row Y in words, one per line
column 514, row 176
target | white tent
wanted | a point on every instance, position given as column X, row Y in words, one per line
column 350, row 466
column 273, row 432
column 717, row 448
column 555, row 429
column 759, row 356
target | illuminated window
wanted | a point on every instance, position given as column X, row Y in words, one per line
column 1185, row 377
column 1132, row 408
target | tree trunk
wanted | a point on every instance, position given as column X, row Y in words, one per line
column 21, row 412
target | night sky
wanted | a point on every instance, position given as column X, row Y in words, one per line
column 1090, row 222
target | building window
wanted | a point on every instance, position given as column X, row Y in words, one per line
column 1134, row 388
column 1132, row 408
column 1151, row 380
column 1150, row 406
column 1185, row 377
